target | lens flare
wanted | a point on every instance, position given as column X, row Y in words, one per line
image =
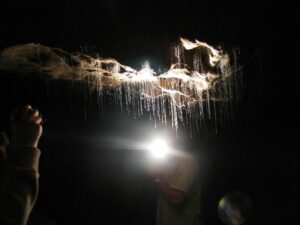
column 159, row 148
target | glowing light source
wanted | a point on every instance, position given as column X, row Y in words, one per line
column 159, row 148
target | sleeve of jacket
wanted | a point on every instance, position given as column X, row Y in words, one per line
column 19, row 185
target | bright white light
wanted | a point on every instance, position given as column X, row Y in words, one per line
column 159, row 148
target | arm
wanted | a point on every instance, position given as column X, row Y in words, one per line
column 19, row 185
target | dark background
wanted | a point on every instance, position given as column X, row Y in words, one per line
column 84, row 181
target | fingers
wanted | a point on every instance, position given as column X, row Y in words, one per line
column 26, row 126
column 26, row 113
column 35, row 116
column 19, row 113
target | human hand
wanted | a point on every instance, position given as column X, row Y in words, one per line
column 26, row 127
